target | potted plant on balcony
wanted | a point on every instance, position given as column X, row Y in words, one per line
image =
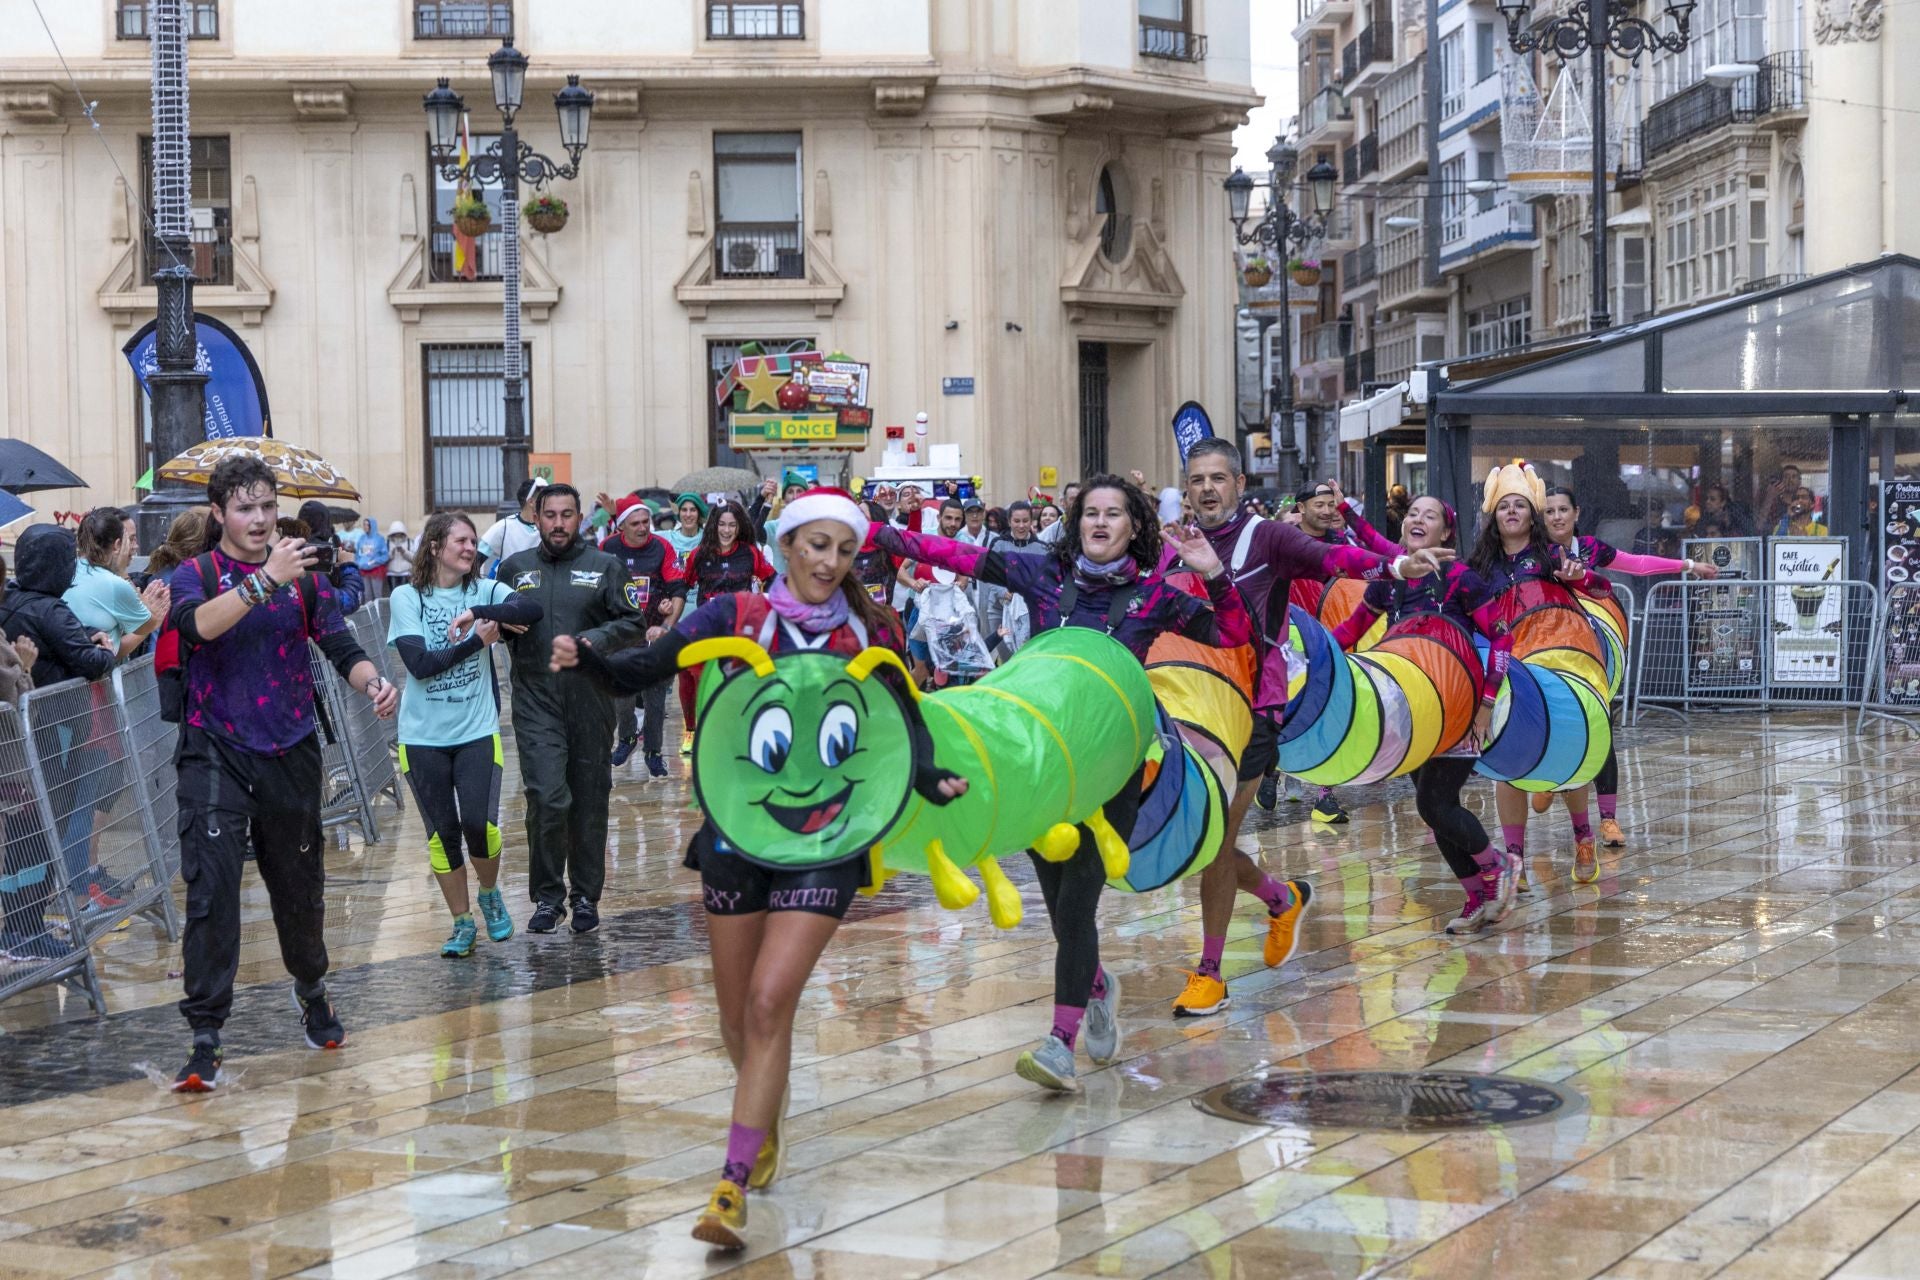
column 546, row 214
column 471, row 217
column 1258, row 272
column 1305, row 271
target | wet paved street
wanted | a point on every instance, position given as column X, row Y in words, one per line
column 1731, row 1008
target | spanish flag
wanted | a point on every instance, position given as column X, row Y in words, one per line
column 466, row 258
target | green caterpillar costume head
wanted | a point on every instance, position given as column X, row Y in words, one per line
column 802, row 763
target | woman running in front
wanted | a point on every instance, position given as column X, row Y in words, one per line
column 1098, row 575
column 766, row 929
column 725, row 561
column 1456, row 596
column 444, row 621
column 1513, row 548
column 1562, row 515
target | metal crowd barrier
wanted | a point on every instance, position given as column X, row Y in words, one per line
column 90, row 815
column 1894, row 661
column 1756, row 644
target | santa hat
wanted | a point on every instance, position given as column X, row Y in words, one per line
column 823, row 504
column 631, row 502
column 1518, row 477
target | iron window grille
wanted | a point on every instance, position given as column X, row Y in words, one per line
column 462, row 20
column 751, row 20
column 464, row 409
column 210, row 211
column 203, row 20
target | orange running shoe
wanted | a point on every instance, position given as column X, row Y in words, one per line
column 1586, row 862
column 1283, row 930
column 1204, row 995
column 1610, row 833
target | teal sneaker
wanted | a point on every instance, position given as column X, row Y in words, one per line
column 494, row 911
column 1049, row 1065
column 461, row 942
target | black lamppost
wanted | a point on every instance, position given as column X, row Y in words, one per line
column 515, row 163
column 1278, row 231
column 1594, row 27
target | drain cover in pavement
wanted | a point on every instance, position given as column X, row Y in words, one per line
column 1409, row 1101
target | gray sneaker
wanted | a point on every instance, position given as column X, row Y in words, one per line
column 1049, row 1065
column 1102, row 1027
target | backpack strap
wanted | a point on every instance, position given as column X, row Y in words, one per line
column 1123, row 599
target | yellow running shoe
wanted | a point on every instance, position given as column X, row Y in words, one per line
column 1610, row 833
column 686, row 742
column 1283, row 930
column 1204, row 995
column 1586, row 863
column 772, row 1160
column 724, row 1223
column 1542, row 801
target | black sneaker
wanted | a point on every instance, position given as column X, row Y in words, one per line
column 623, row 751
column 586, row 916
column 317, row 1019
column 657, row 766
column 545, row 918
column 202, row 1072
column 1269, row 793
column 1328, row 808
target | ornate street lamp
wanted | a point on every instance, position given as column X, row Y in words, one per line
column 515, row 163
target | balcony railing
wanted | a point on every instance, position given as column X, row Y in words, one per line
column 1765, row 283
column 1357, row 267
column 1171, row 41
column 1633, row 158
column 1471, row 227
column 1325, row 343
column 756, row 20
column 1403, row 119
column 212, row 259
column 1357, row 370
column 758, row 250
column 1324, row 108
column 462, row 20
column 1703, row 107
column 1357, row 53
column 1359, row 160
column 486, row 256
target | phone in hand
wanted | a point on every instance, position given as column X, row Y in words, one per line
column 324, row 556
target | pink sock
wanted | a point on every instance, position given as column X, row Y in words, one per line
column 1489, row 878
column 1582, row 829
column 1066, row 1023
column 743, row 1148
column 1100, row 983
column 1608, row 806
column 1275, row 894
column 1515, row 835
column 1211, row 949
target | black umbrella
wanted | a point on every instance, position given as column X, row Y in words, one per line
column 342, row 516
column 24, row 469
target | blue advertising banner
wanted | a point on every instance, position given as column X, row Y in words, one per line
column 1190, row 426
column 236, row 393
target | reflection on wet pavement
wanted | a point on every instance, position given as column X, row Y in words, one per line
column 1732, row 1005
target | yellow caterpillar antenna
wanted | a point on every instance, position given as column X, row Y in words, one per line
column 1113, row 850
column 1003, row 900
column 738, row 647
column 872, row 657
column 951, row 885
column 1058, row 844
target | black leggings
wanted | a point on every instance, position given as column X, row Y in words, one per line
column 458, row 790
column 1072, row 893
column 1607, row 781
column 1436, row 793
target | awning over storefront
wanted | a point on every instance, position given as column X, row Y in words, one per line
column 1379, row 413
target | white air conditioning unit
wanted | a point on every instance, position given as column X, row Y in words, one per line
column 747, row 256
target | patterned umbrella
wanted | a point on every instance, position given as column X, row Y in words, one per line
column 301, row 473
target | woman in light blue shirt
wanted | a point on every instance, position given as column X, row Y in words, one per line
column 443, row 622
column 101, row 597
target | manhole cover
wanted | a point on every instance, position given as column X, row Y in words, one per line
column 1413, row 1101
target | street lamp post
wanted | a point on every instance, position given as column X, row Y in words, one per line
column 1593, row 27
column 515, row 163
column 1279, row 230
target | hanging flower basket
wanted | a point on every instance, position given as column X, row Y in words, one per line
column 1305, row 272
column 471, row 217
column 1258, row 273
column 546, row 214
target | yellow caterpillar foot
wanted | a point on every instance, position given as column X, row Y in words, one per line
column 772, row 1160
column 724, row 1224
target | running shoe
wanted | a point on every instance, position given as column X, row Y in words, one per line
column 1269, row 794
column 545, row 918
column 586, row 916
column 202, row 1072
column 623, row 751
column 1505, row 885
column 772, row 1160
column 104, row 901
column 1295, row 792
column 1586, row 862
column 686, row 742
column 656, row 766
column 1474, row 915
column 1328, row 808
column 1520, row 882
column 1204, row 995
column 1049, row 1064
column 34, row 946
column 459, row 944
column 1542, row 801
column 1610, row 833
column 1102, row 1028
column 1283, row 929
column 724, row 1224
column 317, row 1019
column 493, row 909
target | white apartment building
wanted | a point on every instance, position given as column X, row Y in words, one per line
column 1024, row 195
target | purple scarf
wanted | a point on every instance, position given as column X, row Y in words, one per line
column 811, row 618
column 1111, row 574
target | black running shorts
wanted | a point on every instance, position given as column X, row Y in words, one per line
column 733, row 886
column 1263, row 750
